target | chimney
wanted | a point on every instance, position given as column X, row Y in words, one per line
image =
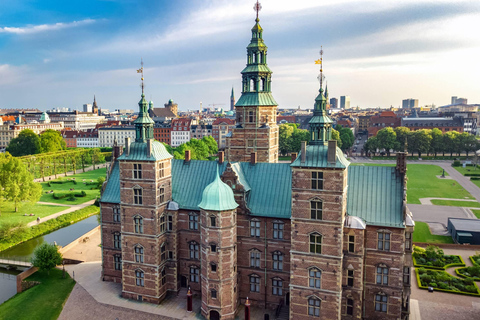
column 149, row 148
column 127, row 146
column 117, row 152
column 304, row 151
column 253, row 158
column 293, row 157
column 332, row 151
column 187, row 156
column 401, row 162
column 221, row 157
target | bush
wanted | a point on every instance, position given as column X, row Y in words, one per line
column 60, row 195
column 456, row 163
column 422, row 270
column 432, row 284
column 443, row 285
column 475, row 178
column 471, row 174
column 471, row 288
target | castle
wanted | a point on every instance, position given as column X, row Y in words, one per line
column 323, row 238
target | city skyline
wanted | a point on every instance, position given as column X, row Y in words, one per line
column 61, row 54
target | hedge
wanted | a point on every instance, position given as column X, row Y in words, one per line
column 61, row 182
column 446, row 290
column 474, row 262
column 472, row 174
column 464, row 276
column 61, row 195
column 461, row 264
column 20, row 235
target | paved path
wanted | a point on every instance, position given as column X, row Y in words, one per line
column 55, row 215
column 428, row 201
column 70, row 173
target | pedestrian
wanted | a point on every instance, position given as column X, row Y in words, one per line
column 38, row 219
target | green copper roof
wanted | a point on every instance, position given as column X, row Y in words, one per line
column 375, row 194
column 138, row 152
column 320, row 119
column 256, row 99
column 317, row 158
column 111, row 194
column 44, row 117
column 218, row 196
column 256, row 68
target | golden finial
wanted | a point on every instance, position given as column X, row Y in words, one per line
column 141, row 71
column 257, row 7
column 320, row 62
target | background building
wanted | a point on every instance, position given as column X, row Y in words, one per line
column 409, row 103
column 108, row 135
column 344, row 102
column 334, row 103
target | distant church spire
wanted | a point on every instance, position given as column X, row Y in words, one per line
column 232, row 101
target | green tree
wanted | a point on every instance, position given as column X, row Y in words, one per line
column 437, row 144
column 371, row 145
column 200, row 149
column 52, row 141
column 46, row 257
column 450, row 141
column 420, row 141
column 298, row 136
column 346, row 135
column 402, row 137
column 470, row 143
column 336, row 136
column 387, row 139
column 285, row 138
column 19, row 185
column 27, row 142
column 211, row 144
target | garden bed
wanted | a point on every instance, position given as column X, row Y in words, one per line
column 475, row 259
column 433, row 258
column 442, row 281
column 469, row 272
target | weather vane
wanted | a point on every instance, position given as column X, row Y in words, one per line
column 257, row 7
column 141, row 71
column 321, row 77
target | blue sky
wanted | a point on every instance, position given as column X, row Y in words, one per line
column 56, row 53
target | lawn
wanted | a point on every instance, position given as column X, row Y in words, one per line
column 422, row 234
column 453, row 203
column 476, row 213
column 81, row 179
column 423, row 183
column 44, row 301
column 40, row 210
column 469, row 169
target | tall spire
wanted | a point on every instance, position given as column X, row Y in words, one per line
column 320, row 123
column 143, row 123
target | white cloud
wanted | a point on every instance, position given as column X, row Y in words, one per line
column 45, row 27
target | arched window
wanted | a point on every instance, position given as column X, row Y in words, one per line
column 139, row 254
column 194, row 250
column 139, row 278
column 277, row 260
column 314, row 307
column 137, row 195
column 138, row 224
column 314, row 278
column 315, row 243
column 316, row 209
column 255, row 258
column 382, row 274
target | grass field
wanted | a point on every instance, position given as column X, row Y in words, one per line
column 423, row 183
column 422, row 234
column 40, row 210
column 453, row 203
column 80, row 186
column 44, row 301
column 469, row 169
column 476, row 213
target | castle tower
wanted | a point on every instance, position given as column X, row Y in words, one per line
column 172, row 106
column 232, row 101
column 219, row 257
column 256, row 110
column 319, row 187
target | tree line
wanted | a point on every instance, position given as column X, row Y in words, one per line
column 203, row 149
column 426, row 141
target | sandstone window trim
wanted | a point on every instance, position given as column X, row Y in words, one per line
column 316, row 209
column 277, row 286
column 406, row 275
column 161, row 170
column 315, row 277
column 255, row 258
column 139, row 278
column 161, row 194
column 193, row 221
column 194, row 249
column 381, row 274
column 213, row 293
column 213, row 221
column 254, row 282
column 117, row 240
column 316, row 240
column 117, row 260
column 213, row 267
column 351, row 243
column 381, row 302
column 213, row 247
column 255, row 226
column 349, row 304
column 278, row 227
column 383, row 240
column 277, row 259
column 139, row 251
column 314, row 305
column 194, row 274
column 138, row 195
column 116, row 214
column 138, row 224
column 163, row 251
column 137, row 171
column 163, row 223
column 317, row 180
column 350, row 278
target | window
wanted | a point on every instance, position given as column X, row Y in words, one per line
column 382, row 274
column 317, row 180
column 315, row 243
column 161, row 192
column 278, row 230
column 117, row 240
column 161, row 170
column 277, row 260
column 163, row 251
column 138, row 221
column 116, row 214
column 193, row 221
column 351, row 243
column 381, row 302
column 350, row 278
column 162, row 223
column 164, row 276
column 406, row 275
column 139, row 254
column 194, row 274
column 255, row 228
column 408, row 241
column 349, row 310
column 384, row 241
column 194, row 250
column 139, row 278
column 170, row 223
column 314, row 307
column 137, row 196
column 316, row 210
column 277, row 287
column 251, row 116
column 314, row 278
column 213, row 267
column 118, row 261
column 213, row 221
column 213, row 247
column 213, row 293
column 255, row 259
column 137, row 171
column 254, row 283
